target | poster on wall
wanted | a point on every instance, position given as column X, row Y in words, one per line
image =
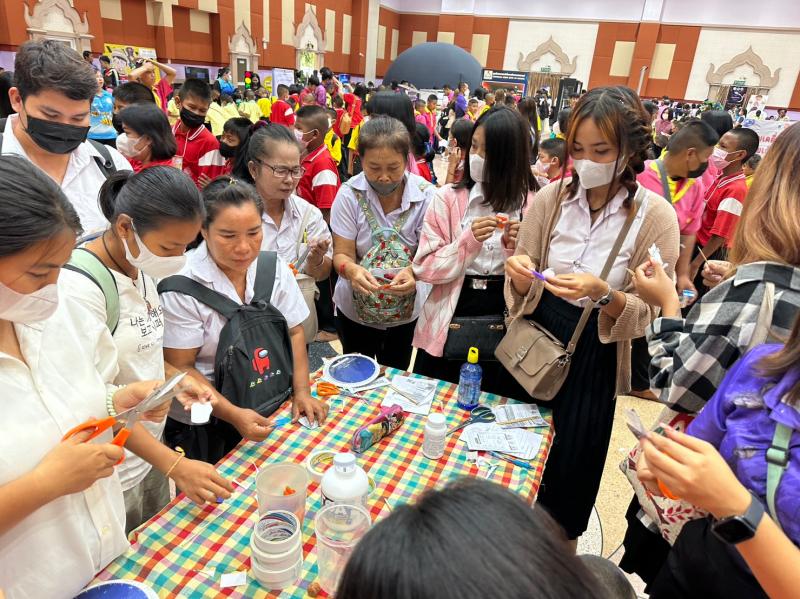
column 767, row 131
column 756, row 102
column 123, row 57
column 516, row 81
column 736, row 95
column 282, row 76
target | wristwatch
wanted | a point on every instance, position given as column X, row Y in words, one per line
column 606, row 298
column 735, row 529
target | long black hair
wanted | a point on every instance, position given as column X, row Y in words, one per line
column 472, row 540
column 242, row 128
column 149, row 120
column 507, row 175
column 151, row 197
column 394, row 105
column 32, row 207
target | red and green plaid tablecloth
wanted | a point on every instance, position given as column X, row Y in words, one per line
column 183, row 551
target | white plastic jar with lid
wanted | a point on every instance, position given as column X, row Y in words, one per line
column 345, row 482
column 435, row 436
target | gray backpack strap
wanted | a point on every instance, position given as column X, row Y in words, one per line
column 777, row 462
column 265, row 276
column 662, row 173
column 214, row 300
column 89, row 265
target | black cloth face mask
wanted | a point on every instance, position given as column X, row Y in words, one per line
column 117, row 122
column 191, row 119
column 226, row 150
column 56, row 138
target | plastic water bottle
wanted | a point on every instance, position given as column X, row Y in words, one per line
column 469, row 383
column 686, row 298
column 345, row 482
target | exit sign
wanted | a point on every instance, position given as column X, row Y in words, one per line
column 544, row 70
column 740, row 82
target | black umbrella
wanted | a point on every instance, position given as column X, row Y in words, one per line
column 432, row 64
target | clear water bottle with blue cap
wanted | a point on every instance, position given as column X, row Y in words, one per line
column 469, row 383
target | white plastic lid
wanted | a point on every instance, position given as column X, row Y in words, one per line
column 436, row 419
column 344, row 462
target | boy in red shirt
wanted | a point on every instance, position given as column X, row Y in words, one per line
column 320, row 180
column 725, row 197
column 198, row 150
column 282, row 113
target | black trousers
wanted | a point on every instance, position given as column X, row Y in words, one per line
column 390, row 346
column 703, row 567
column 324, row 303
column 207, row 442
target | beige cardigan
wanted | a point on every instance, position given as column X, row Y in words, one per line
column 660, row 226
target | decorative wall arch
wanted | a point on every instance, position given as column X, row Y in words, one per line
column 548, row 47
column 767, row 78
column 309, row 43
column 242, row 46
column 57, row 19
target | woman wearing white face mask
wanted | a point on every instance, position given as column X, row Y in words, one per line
column 154, row 215
column 147, row 138
column 577, row 222
column 61, row 506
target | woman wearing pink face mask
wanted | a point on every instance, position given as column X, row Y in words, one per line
column 147, row 138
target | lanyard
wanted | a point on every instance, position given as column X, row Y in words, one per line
column 669, row 185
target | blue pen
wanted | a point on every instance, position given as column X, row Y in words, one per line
column 520, row 463
column 281, row 421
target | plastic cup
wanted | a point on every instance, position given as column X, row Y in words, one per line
column 273, row 485
column 339, row 528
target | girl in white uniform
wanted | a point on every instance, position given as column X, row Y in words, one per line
column 61, row 507
column 155, row 214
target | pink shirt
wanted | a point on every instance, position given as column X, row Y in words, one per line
column 690, row 204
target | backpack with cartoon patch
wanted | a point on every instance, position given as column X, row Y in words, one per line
column 388, row 252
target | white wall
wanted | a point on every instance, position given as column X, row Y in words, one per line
column 574, row 38
column 718, row 46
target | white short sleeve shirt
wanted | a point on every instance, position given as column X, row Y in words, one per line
column 290, row 238
column 58, row 549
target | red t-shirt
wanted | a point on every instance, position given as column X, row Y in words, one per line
column 160, row 92
column 338, row 122
column 724, row 201
column 320, row 182
column 198, row 153
column 282, row 114
column 424, row 171
column 138, row 166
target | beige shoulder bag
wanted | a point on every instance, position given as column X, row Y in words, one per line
column 531, row 354
column 307, row 284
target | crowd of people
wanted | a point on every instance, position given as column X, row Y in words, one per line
column 646, row 243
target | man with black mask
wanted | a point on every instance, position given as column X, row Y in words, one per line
column 676, row 177
column 52, row 95
column 198, row 150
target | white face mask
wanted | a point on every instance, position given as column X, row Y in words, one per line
column 158, row 267
column 476, row 167
column 127, row 146
column 595, row 174
column 27, row 308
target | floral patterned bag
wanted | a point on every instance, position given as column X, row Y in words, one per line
column 389, row 252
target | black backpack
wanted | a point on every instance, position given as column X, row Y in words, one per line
column 253, row 365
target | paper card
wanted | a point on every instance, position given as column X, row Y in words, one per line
column 520, row 415
column 232, row 579
column 635, row 423
column 306, row 423
column 201, row 413
column 517, row 442
column 655, row 254
column 394, row 398
column 421, row 390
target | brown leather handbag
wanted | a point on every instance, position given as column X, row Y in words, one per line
column 536, row 359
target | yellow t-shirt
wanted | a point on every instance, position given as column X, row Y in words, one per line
column 353, row 145
column 216, row 116
column 173, row 114
column 334, row 145
column 251, row 109
column 231, row 110
column 748, row 181
column 265, row 105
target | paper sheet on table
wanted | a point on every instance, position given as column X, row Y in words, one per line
column 489, row 436
column 381, row 381
column 530, row 412
column 422, row 391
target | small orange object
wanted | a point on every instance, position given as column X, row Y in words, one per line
column 289, row 491
column 314, row 589
column 665, row 490
column 502, row 220
column 325, row 389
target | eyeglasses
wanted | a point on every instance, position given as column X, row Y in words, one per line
column 282, row 171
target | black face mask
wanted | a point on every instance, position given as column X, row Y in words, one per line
column 191, row 119
column 56, row 138
column 227, row 151
column 698, row 172
column 117, row 122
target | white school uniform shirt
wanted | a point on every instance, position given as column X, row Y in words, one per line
column 139, row 341
column 578, row 245
column 57, row 550
column 349, row 221
column 492, row 258
column 283, row 239
column 191, row 324
column 82, row 180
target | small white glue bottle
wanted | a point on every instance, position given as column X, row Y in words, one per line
column 434, row 439
column 345, row 482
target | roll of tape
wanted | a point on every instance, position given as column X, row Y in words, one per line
column 318, row 462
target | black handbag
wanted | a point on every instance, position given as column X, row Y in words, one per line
column 483, row 332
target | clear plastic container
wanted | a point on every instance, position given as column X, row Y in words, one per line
column 469, row 382
column 282, row 486
column 339, row 528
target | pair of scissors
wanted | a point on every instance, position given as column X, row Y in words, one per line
column 128, row 418
column 326, row 389
column 479, row 414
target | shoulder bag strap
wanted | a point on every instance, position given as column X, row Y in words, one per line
column 777, row 461
column 301, row 234
column 87, row 263
column 213, row 299
column 361, row 198
column 662, row 173
column 612, row 256
column 761, row 332
column 549, row 228
column 265, row 276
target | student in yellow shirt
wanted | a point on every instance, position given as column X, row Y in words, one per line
column 749, row 169
column 216, row 116
column 249, row 109
column 332, row 140
column 229, row 107
column 173, row 112
column 264, row 102
column 489, row 102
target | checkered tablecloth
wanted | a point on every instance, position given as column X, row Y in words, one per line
column 183, row 551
